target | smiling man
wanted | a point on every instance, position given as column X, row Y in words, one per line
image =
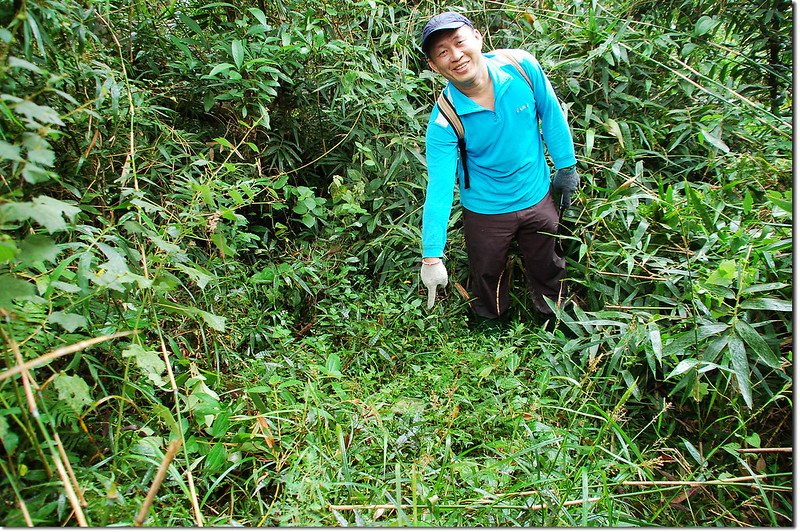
column 507, row 123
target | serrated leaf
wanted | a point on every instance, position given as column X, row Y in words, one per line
column 778, row 199
column 3, row 428
column 74, row 391
column 212, row 320
column 724, row 275
column 44, row 210
column 149, row 362
column 747, row 202
column 68, row 320
column 9, row 152
column 757, row 344
column 38, row 149
column 741, row 368
column 12, row 287
column 754, row 440
column 8, row 249
column 198, row 276
column 149, row 445
column 36, row 115
column 216, row 457
column 699, row 208
column 37, row 248
column 33, row 173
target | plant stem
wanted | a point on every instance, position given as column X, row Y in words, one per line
column 162, row 472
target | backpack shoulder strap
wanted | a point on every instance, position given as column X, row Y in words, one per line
column 508, row 55
column 449, row 112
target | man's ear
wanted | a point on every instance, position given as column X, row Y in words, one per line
column 432, row 65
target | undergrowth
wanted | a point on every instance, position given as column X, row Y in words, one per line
column 209, row 297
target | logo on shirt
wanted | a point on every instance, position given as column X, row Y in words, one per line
column 520, row 109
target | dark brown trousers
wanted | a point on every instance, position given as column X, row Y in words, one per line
column 488, row 238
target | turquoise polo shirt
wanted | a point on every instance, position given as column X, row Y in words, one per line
column 508, row 170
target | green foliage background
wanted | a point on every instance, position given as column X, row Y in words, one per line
column 211, row 221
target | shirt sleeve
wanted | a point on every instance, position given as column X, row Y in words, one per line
column 555, row 129
column 441, row 156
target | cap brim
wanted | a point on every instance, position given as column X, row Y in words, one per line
column 449, row 26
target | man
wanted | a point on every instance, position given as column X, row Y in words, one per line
column 508, row 196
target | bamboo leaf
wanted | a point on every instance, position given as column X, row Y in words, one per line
column 699, row 208
column 714, row 140
column 767, row 303
column 756, row 343
column 698, row 457
column 740, row 368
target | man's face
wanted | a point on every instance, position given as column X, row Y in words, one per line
column 456, row 54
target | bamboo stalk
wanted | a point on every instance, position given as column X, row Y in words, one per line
column 198, row 517
column 24, row 509
column 162, row 472
column 70, row 472
column 60, row 352
column 73, row 499
column 26, row 380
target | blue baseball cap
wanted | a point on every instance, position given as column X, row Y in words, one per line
column 448, row 20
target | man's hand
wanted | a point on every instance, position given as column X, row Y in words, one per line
column 433, row 274
column 566, row 182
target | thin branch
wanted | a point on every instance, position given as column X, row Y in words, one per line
column 162, row 472
column 766, row 450
column 70, row 472
column 73, row 499
column 60, row 352
column 721, row 482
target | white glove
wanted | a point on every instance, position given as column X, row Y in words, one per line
column 433, row 275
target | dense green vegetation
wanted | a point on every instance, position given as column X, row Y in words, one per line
column 211, row 220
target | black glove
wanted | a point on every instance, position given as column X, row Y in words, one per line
column 566, row 182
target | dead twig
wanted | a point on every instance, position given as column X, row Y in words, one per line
column 73, row 499
column 70, row 472
column 60, row 352
column 693, row 483
column 766, row 450
column 162, row 472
